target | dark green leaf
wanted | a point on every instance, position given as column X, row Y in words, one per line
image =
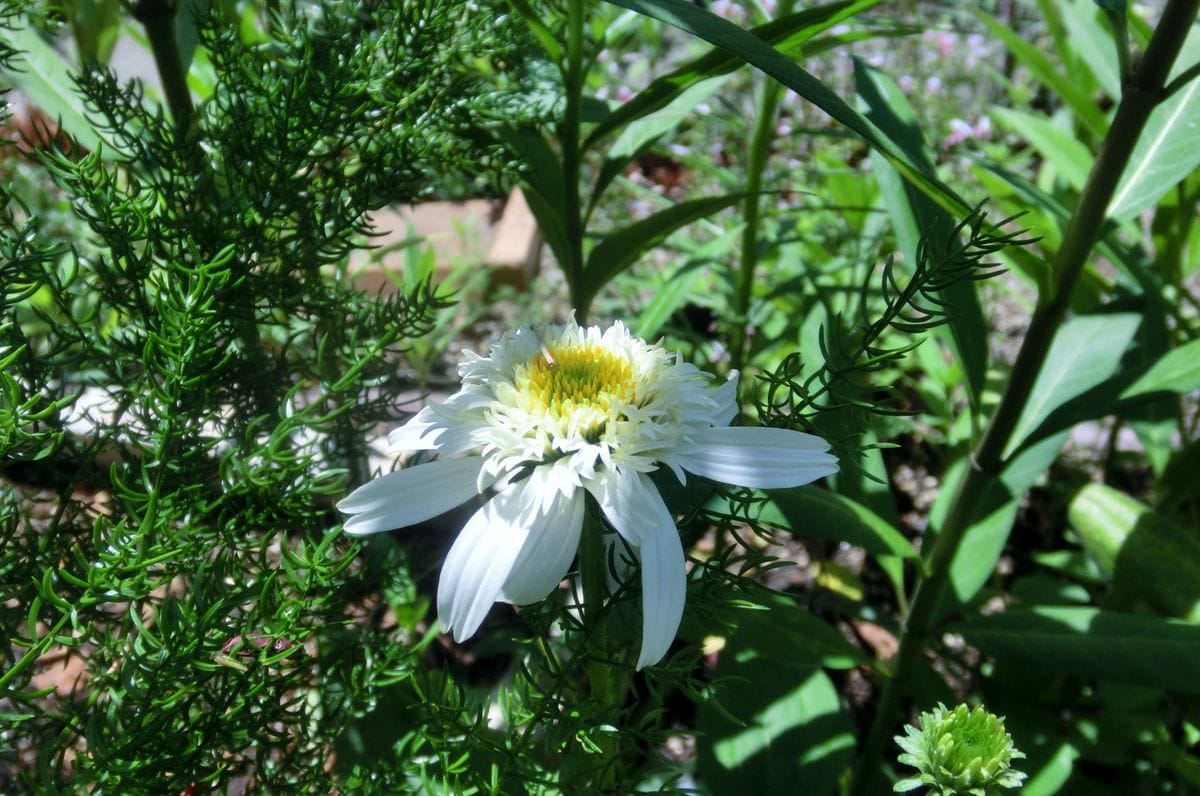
column 820, row 514
column 1089, row 643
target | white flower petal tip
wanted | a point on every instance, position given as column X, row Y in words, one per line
column 762, row 458
column 409, row 496
column 637, row 512
column 479, row 563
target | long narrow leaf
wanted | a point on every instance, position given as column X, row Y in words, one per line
column 619, row 249
column 787, row 33
column 43, row 77
column 756, row 52
column 915, row 217
column 1052, row 76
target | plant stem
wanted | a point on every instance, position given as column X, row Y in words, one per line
column 568, row 134
column 760, row 146
column 158, row 18
column 604, row 678
column 1142, row 93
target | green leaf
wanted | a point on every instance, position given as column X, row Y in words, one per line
column 41, row 74
column 1142, row 551
column 621, row 248
column 986, row 536
column 915, row 216
column 789, row 33
column 1049, row 74
column 641, row 132
column 820, row 514
column 1086, row 352
column 779, row 718
column 754, row 51
column 794, row 731
column 546, row 194
column 1089, row 643
column 1177, row 371
column 1166, row 153
column 1061, row 150
column 1047, row 780
column 1093, row 43
column 679, row 286
column 766, row 624
column 1108, row 246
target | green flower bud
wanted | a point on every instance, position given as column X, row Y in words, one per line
column 959, row 751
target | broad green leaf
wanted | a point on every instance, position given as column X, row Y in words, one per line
column 779, row 719
column 1085, row 353
column 1089, row 643
column 96, row 25
column 705, row 25
column 1165, row 154
column 820, row 514
column 1049, row 74
column 1142, row 551
column 790, row 730
column 789, row 33
column 1093, row 43
column 986, row 536
column 1058, row 148
column 915, row 216
column 187, row 14
column 42, row 75
column 766, row 624
column 621, row 248
column 1177, row 371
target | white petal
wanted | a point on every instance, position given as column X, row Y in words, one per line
column 479, row 562
column 664, row 589
column 418, row 434
column 635, row 509
column 764, row 458
column 726, row 398
column 414, row 494
column 548, row 551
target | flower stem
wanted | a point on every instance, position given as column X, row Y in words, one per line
column 158, row 18
column 1142, row 93
column 604, row 678
column 568, row 135
column 760, row 147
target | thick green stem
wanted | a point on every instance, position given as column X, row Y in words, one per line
column 568, row 135
column 760, row 147
column 158, row 17
column 1142, row 92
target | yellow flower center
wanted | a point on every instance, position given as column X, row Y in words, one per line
column 565, row 379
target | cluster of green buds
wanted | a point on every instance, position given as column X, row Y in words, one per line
column 959, row 751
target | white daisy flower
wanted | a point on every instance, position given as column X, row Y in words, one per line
column 547, row 418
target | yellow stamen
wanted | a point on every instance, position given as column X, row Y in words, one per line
column 564, row 379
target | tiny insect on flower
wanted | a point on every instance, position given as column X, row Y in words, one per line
column 547, row 418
